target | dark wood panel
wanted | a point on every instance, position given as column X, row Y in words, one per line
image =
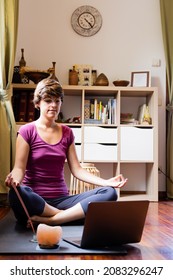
column 156, row 243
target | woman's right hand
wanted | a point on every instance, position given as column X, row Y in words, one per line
column 10, row 181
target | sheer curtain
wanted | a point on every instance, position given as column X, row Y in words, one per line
column 8, row 37
column 166, row 8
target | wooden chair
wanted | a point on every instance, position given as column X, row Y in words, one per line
column 77, row 186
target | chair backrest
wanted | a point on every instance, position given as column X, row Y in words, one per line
column 77, row 186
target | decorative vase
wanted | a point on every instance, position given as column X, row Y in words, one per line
column 73, row 77
column 22, row 61
column 102, row 80
column 52, row 71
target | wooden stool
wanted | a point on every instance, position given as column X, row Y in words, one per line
column 77, row 186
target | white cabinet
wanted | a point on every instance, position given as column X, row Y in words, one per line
column 100, row 152
column 136, row 144
column 77, row 131
column 98, row 134
column 100, row 143
column 130, row 149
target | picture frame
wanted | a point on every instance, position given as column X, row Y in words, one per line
column 84, row 74
column 140, row 79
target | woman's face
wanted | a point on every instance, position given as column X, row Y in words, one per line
column 50, row 107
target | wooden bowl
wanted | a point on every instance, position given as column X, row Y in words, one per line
column 36, row 76
column 121, row 83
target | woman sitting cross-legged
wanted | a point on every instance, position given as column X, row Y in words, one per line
column 42, row 147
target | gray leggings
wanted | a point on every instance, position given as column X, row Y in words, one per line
column 35, row 203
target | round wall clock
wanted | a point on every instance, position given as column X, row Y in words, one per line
column 86, row 20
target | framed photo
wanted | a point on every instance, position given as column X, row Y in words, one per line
column 84, row 74
column 140, row 79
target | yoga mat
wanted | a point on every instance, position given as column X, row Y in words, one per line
column 16, row 239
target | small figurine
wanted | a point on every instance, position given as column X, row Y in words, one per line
column 147, row 118
column 76, row 120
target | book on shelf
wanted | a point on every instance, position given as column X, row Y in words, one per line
column 30, row 108
column 91, row 109
column 141, row 112
column 23, row 107
column 92, row 121
column 111, row 111
column 96, row 114
column 15, row 104
column 86, row 109
column 104, row 113
column 22, row 115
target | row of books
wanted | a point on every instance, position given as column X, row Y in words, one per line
column 23, row 107
column 95, row 111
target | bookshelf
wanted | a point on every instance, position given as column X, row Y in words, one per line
column 114, row 146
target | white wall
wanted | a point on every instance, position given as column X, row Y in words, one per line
column 129, row 40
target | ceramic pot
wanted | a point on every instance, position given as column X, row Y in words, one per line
column 73, row 77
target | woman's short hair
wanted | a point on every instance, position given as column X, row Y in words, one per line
column 47, row 88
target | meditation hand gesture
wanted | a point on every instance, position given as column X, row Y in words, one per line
column 117, row 181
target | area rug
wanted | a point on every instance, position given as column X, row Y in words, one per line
column 16, row 239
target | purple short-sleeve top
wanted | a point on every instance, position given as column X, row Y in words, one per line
column 45, row 166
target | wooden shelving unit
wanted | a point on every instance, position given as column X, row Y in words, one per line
column 130, row 149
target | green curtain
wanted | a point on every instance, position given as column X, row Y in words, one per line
column 166, row 8
column 8, row 36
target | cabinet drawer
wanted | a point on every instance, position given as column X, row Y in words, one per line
column 100, row 135
column 77, row 134
column 100, row 152
column 136, row 144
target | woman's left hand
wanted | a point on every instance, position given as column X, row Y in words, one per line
column 117, row 181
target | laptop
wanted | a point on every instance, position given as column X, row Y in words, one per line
column 110, row 224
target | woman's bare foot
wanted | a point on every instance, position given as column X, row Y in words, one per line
column 44, row 220
column 61, row 216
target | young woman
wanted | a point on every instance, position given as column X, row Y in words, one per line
column 42, row 147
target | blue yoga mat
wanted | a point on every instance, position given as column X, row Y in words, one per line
column 16, row 239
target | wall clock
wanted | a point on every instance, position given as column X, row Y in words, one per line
column 86, row 20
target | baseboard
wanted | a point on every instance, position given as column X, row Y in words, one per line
column 132, row 192
column 162, row 194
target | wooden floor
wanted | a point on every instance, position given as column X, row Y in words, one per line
column 156, row 243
